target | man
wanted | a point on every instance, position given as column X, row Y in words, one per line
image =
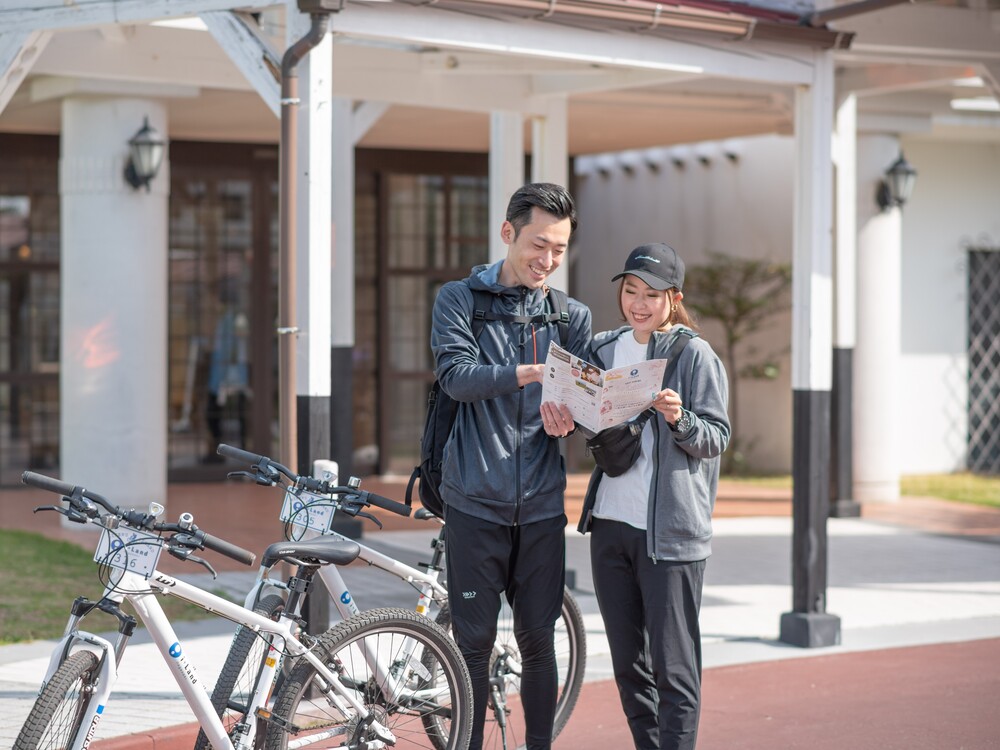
column 503, row 477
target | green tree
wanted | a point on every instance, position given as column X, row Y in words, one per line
column 741, row 294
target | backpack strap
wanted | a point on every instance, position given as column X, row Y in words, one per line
column 560, row 313
column 481, row 303
column 555, row 299
column 681, row 339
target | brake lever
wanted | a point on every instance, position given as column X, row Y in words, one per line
column 73, row 515
column 253, row 476
column 369, row 516
column 186, row 553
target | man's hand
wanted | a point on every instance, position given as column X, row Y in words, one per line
column 529, row 374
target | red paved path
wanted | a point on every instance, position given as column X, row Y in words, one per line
column 940, row 697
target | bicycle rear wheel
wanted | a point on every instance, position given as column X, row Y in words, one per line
column 505, row 722
column 61, row 707
column 238, row 678
column 400, row 694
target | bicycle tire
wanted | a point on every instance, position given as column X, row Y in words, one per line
column 385, row 631
column 60, row 708
column 571, row 660
column 238, row 676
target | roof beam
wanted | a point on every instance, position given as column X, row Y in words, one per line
column 886, row 79
column 991, row 77
column 240, row 38
column 18, row 52
column 364, row 116
column 54, row 15
column 927, row 32
column 431, row 27
column 153, row 54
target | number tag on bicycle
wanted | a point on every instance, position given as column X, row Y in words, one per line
column 307, row 510
column 129, row 549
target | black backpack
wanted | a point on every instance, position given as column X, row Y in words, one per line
column 442, row 409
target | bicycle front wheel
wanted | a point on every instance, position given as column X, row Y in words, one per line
column 504, row 716
column 61, row 707
column 378, row 657
column 236, row 683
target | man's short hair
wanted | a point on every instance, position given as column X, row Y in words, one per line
column 550, row 198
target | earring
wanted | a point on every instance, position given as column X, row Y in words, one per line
column 673, row 308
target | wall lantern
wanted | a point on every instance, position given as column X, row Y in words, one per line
column 145, row 156
column 896, row 188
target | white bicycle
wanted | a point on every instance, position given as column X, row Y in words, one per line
column 308, row 511
column 368, row 683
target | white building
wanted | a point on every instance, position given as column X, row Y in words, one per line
column 414, row 127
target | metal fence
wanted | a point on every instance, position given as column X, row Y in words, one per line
column 984, row 360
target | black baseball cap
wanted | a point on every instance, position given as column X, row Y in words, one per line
column 657, row 264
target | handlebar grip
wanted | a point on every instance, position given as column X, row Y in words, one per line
column 238, row 454
column 228, row 549
column 48, row 484
column 387, row 504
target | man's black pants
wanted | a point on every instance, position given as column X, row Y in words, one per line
column 527, row 563
column 650, row 610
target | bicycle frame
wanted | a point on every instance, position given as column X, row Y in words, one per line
column 141, row 593
column 430, row 589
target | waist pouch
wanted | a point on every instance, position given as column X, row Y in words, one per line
column 617, row 448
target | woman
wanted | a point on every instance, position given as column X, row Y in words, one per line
column 652, row 526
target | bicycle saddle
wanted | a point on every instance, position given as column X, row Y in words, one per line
column 328, row 550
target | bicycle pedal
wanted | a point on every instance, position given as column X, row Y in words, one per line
column 268, row 717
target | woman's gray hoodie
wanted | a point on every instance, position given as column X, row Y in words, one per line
column 499, row 465
column 685, row 465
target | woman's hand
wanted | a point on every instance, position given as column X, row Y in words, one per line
column 669, row 404
column 557, row 420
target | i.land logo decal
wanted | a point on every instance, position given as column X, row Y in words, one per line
column 93, row 728
column 175, row 650
column 346, row 597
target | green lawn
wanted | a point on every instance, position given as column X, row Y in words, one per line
column 961, row 487
column 37, row 607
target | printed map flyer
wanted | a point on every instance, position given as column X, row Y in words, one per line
column 598, row 398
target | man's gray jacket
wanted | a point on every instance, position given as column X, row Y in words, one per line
column 685, row 465
column 499, row 465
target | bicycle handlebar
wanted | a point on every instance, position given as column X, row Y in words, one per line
column 311, row 483
column 254, row 459
column 58, row 487
column 194, row 536
column 230, row 550
column 386, row 504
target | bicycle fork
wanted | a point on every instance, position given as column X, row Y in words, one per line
column 108, row 659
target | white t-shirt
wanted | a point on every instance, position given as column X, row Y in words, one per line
column 626, row 498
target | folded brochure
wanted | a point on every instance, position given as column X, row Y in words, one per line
column 598, row 398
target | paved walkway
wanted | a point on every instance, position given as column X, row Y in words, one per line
column 916, row 584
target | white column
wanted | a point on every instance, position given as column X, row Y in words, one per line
column 550, row 161
column 313, row 214
column 877, row 352
column 342, row 188
column 113, row 346
column 506, row 172
column 341, row 310
column 846, row 156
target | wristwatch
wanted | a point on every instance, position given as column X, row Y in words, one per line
column 684, row 422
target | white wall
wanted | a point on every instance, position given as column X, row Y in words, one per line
column 742, row 207
column 956, row 201
column 746, row 208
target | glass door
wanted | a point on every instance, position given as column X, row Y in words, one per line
column 223, row 247
column 435, row 230
column 29, row 306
